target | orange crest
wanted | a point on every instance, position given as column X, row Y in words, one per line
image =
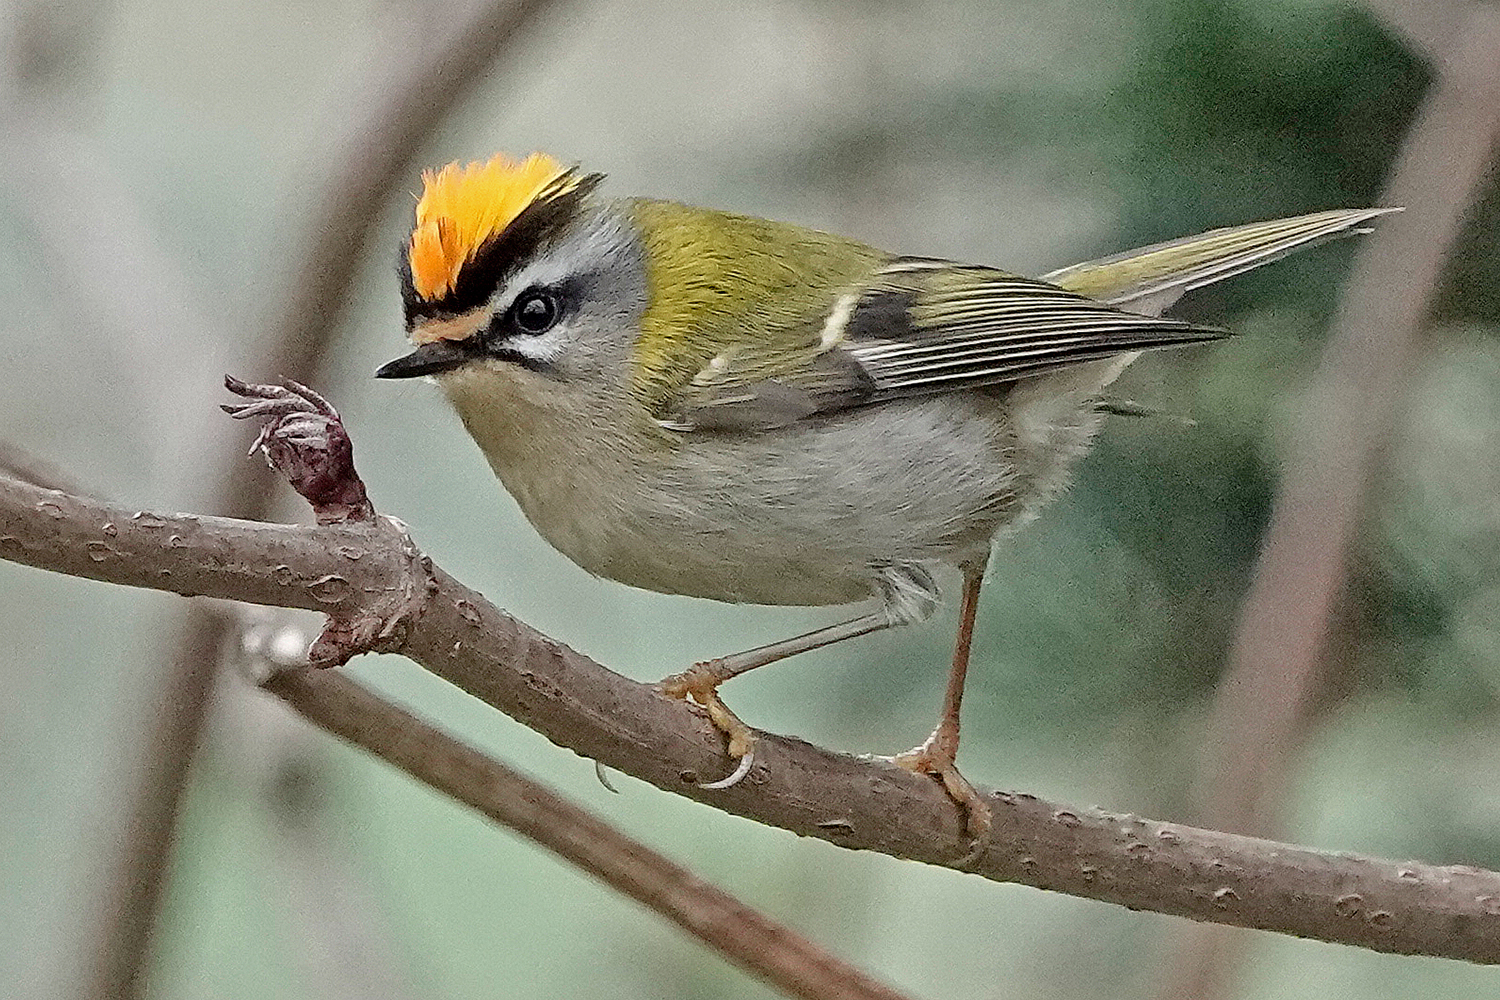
column 462, row 207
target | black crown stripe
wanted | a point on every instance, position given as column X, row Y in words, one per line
column 541, row 222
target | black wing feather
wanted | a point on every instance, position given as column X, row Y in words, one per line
column 962, row 326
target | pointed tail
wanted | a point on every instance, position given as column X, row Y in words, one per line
column 1150, row 279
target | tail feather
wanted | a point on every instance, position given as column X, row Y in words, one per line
column 1150, row 279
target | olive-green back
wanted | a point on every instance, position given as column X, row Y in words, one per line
column 751, row 292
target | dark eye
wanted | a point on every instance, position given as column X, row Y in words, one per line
column 534, row 311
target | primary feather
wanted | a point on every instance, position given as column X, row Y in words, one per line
column 961, row 326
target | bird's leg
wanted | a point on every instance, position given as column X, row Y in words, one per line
column 700, row 682
column 909, row 595
column 936, row 755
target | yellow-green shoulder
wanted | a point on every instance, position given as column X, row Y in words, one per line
column 734, row 290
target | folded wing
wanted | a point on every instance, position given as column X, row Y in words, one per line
column 931, row 326
column 921, row 326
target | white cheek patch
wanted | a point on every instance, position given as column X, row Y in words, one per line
column 546, row 347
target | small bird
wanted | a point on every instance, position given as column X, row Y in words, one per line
column 696, row 402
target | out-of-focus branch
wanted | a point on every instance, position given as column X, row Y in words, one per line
column 398, row 103
column 350, row 935
column 862, row 804
column 18, row 463
column 371, row 133
column 1263, row 701
column 1430, row 27
column 757, row 944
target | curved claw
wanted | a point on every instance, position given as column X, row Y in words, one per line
column 699, row 685
column 735, row 778
column 603, row 777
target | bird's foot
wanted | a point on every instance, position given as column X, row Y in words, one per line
column 699, row 685
column 935, row 757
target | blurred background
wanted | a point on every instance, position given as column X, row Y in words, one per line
column 159, row 169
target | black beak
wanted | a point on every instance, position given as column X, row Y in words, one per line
column 429, row 359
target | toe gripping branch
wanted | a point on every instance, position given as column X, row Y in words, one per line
column 699, row 686
column 303, row 438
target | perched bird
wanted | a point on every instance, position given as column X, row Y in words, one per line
column 702, row 403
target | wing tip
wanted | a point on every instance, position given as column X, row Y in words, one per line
column 1365, row 215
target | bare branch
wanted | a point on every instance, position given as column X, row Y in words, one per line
column 757, row 944
column 860, row 804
